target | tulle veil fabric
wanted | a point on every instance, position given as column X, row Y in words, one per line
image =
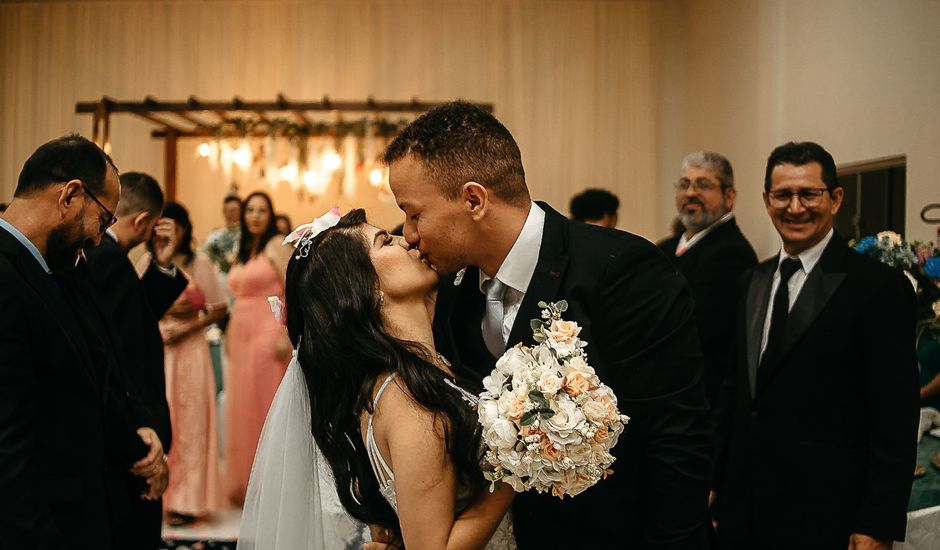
column 291, row 502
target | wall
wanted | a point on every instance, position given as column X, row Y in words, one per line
column 740, row 77
column 569, row 78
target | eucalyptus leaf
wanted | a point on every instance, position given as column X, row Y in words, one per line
column 528, row 418
column 562, row 305
column 542, row 304
column 536, row 325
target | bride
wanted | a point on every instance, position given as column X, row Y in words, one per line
column 398, row 433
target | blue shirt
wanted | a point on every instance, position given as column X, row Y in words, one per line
column 27, row 243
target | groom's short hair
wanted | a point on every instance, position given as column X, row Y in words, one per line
column 459, row 142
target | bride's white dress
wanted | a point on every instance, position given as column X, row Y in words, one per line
column 502, row 539
column 291, row 502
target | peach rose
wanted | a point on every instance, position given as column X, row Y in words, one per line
column 548, row 450
column 564, row 331
column 517, row 407
column 576, row 383
column 601, row 435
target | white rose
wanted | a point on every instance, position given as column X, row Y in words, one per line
column 545, row 357
column 567, row 415
column 563, row 349
column 893, row 238
column 494, row 382
column 502, row 434
column 581, row 454
column 512, row 361
column 578, row 364
column 549, row 383
column 488, row 411
column 506, row 400
column 594, row 411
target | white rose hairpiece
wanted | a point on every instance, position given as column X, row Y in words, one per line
column 302, row 235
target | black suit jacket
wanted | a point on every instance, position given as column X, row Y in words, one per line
column 136, row 305
column 712, row 268
column 636, row 315
column 66, row 430
column 821, row 438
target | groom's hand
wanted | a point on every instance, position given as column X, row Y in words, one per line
column 150, row 464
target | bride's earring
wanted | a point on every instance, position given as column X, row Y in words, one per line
column 381, row 298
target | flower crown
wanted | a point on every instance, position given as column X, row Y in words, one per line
column 303, row 235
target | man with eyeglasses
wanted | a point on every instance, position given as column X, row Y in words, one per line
column 136, row 303
column 818, row 437
column 68, row 422
column 711, row 254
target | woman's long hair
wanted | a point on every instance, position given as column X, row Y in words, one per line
column 177, row 212
column 245, row 249
column 334, row 321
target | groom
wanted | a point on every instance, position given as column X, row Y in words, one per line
column 457, row 174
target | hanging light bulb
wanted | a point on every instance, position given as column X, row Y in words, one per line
column 289, row 172
column 331, row 160
column 242, row 156
column 375, row 177
column 204, row 149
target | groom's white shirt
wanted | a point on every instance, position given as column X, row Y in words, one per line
column 518, row 267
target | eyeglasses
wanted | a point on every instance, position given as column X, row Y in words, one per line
column 700, row 184
column 112, row 219
column 809, row 197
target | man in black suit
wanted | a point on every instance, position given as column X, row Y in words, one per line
column 820, row 432
column 711, row 254
column 457, row 174
column 67, row 422
column 136, row 305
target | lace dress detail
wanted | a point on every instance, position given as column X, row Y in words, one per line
column 502, row 539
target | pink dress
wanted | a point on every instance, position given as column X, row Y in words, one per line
column 190, row 392
column 254, row 371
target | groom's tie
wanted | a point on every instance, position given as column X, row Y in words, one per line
column 778, row 318
column 493, row 316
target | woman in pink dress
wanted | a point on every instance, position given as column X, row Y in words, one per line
column 190, row 385
column 258, row 347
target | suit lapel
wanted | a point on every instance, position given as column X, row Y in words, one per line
column 758, row 296
column 547, row 277
column 819, row 287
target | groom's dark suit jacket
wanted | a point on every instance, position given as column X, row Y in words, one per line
column 66, row 422
column 136, row 305
column 636, row 315
column 820, row 440
column 712, row 268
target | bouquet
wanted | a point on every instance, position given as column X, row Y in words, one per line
column 920, row 262
column 548, row 422
column 222, row 248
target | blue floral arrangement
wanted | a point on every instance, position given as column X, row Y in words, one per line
column 920, row 261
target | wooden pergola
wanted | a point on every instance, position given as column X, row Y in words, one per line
column 195, row 118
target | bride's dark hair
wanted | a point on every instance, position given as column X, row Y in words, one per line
column 343, row 348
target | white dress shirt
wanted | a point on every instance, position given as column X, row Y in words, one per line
column 808, row 258
column 518, row 267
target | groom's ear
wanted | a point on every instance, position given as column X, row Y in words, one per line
column 475, row 198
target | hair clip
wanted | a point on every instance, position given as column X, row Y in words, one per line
column 303, row 235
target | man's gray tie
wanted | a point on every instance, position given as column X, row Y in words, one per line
column 493, row 317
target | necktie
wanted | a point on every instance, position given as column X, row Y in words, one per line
column 778, row 319
column 493, row 317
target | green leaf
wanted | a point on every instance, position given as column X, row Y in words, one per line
column 542, row 305
column 546, row 413
column 536, row 325
column 528, row 418
column 562, row 305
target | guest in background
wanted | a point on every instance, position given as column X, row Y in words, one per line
column 67, row 433
column 258, row 347
column 222, row 243
column 136, row 305
column 820, row 428
column 190, row 384
column 711, row 253
column 596, row 207
column 282, row 222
